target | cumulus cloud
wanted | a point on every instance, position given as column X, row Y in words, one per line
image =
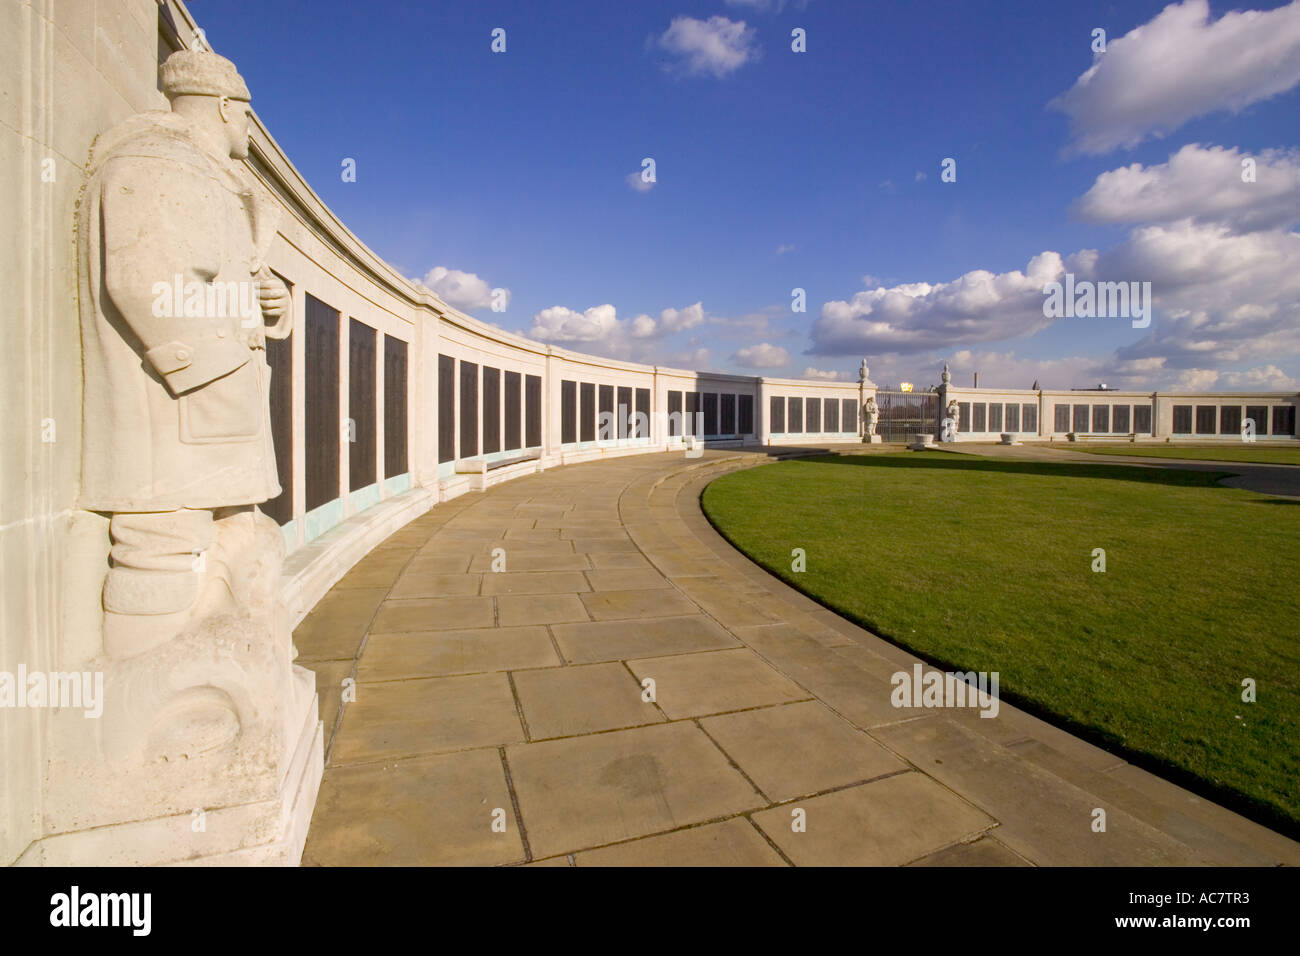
column 716, row 46
column 464, row 290
column 761, row 355
column 784, row 248
column 564, row 325
column 1264, row 377
column 811, row 372
column 599, row 329
column 636, row 182
column 1221, row 255
column 1200, row 183
column 980, row 306
column 1177, row 67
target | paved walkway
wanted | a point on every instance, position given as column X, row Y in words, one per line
column 499, row 717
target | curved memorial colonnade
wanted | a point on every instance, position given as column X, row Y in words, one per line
column 383, row 402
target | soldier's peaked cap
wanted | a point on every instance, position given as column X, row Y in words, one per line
column 197, row 72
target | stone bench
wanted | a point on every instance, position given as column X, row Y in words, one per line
column 483, row 474
column 480, row 466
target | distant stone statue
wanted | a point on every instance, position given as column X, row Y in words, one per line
column 870, row 415
column 177, row 449
column 954, row 412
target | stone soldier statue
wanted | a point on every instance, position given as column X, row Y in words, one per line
column 202, row 705
column 871, row 414
column 176, row 437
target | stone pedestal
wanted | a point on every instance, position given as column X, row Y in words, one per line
column 872, row 440
column 1008, row 439
column 921, row 442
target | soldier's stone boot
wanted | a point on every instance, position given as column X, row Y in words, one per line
column 145, row 609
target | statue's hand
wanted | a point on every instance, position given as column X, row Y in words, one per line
column 276, row 304
column 274, row 296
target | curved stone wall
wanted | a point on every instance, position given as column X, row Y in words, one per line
column 385, row 400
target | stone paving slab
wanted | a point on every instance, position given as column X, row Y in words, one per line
column 402, row 718
column 799, row 749
column 584, row 792
column 692, row 685
column 625, row 640
column 520, row 692
column 889, row 822
column 732, row 842
column 433, row 614
column 425, row 811
column 400, row 656
column 567, row 701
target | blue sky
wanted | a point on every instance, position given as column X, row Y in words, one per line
column 818, row 170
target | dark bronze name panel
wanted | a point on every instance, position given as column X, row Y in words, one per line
column 533, row 415
column 395, row 420
column 321, row 454
column 468, row 409
column 491, row 410
column 568, row 412
column 514, row 411
column 777, row 414
column 587, row 419
column 446, row 408
column 363, row 427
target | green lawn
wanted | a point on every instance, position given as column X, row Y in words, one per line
column 983, row 564
column 1236, row 452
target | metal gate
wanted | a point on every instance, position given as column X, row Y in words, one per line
column 904, row 414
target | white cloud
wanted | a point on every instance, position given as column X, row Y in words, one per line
column 464, row 290
column 600, row 331
column 1202, row 183
column 920, row 176
column 1223, row 265
column 783, row 249
column 560, row 324
column 1264, row 377
column 811, row 372
column 980, row 306
column 1179, row 66
column 636, row 182
column 718, row 45
column 677, row 320
column 762, row 355
column 1221, row 298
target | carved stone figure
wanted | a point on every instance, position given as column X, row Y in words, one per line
column 177, row 437
column 871, row 415
column 954, row 412
column 203, row 707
